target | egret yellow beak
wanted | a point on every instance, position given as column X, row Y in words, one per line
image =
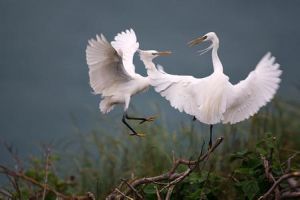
column 164, row 53
column 197, row 41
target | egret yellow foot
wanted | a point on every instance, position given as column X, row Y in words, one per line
column 141, row 134
column 148, row 119
column 137, row 134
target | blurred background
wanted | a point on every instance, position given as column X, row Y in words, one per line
column 45, row 93
column 44, row 76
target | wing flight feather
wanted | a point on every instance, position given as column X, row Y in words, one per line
column 105, row 66
column 176, row 89
column 126, row 45
column 249, row 95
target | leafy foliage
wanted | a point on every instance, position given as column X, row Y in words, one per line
column 235, row 170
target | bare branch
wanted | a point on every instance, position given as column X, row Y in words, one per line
column 6, row 193
column 47, row 152
column 282, row 178
column 289, row 195
column 133, row 189
column 14, row 154
column 170, row 190
column 46, row 187
column 157, row 194
column 170, row 178
column 268, row 173
column 124, row 195
column 31, row 180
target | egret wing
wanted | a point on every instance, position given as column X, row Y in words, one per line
column 249, row 95
column 105, row 66
column 176, row 89
column 126, row 45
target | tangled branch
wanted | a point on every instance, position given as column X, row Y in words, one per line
column 43, row 186
column 292, row 191
column 18, row 174
column 168, row 180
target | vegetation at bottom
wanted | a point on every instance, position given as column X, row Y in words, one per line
column 97, row 161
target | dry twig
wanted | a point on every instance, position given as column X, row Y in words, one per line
column 170, row 178
column 43, row 186
column 47, row 163
column 276, row 183
column 269, row 175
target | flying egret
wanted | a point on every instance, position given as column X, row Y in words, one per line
column 112, row 73
column 214, row 99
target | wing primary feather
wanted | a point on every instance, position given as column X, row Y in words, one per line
column 249, row 95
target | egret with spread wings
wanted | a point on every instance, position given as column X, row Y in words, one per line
column 112, row 73
column 214, row 99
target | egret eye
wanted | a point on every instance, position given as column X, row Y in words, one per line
column 204, row 37
column 154, row 54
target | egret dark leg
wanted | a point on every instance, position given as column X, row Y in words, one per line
column 194, row 118
column 128, row 126
column 210, row 136
column 141, row 119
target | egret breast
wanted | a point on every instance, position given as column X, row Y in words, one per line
column 213, row 99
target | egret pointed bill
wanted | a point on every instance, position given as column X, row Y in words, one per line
column 164, row 53
column 197, row 41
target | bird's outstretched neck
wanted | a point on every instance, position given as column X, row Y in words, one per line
column 215, row 58
column 148, row 64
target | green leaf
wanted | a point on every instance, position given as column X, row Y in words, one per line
column 150, row 189
column 254, row 162
column 239, row 155
column 261, row 151
column 250, row 188
column 247, row 171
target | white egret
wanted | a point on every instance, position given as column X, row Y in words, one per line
column 214, row 99
column 112, row 72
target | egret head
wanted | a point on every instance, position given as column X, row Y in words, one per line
column 211, row 36
column 151, row 54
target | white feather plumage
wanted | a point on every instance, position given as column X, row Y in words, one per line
column 214, row 99
column 249, row 95
column 111, row 69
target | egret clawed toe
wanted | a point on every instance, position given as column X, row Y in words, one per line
column 148, row 119
column 141, row 135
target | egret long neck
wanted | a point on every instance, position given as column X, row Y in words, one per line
column 215, row 58
column 148, row 64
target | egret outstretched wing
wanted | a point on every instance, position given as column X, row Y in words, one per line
column 109, row 67
column 254, row 92
column 126, row 45
column 175, row 88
